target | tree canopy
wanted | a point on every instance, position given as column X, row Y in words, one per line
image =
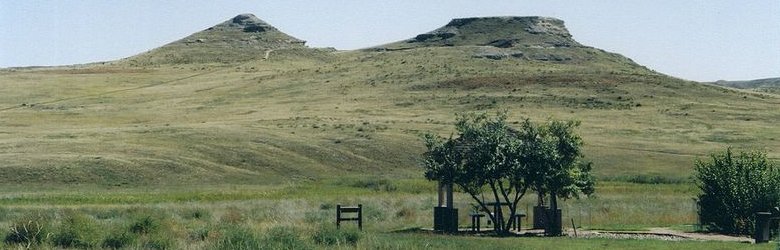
column 489, row 155
column 733, row 188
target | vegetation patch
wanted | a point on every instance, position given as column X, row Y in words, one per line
column 29, row 230
column 117, row 238
column 238, row 238
column 329, row 235
column 77, row 231
column 734, row 186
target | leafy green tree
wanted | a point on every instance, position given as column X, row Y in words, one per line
column 488, row 155
column 555, row 157
column 484, row 156
column 735, row 187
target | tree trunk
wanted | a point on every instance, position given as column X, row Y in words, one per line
column 553, row 201
column 554, row 224
column 498, row 224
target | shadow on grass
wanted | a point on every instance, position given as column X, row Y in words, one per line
column 469, row 232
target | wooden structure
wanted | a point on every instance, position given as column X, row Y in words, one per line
column 476, row 217
column 445, row 215
column 498, row 213
column 340, row 211
column 764, row 223
column 517, row 221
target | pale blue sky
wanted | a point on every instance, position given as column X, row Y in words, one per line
column 691, row 39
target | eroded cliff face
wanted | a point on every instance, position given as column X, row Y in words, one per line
column 502, row 32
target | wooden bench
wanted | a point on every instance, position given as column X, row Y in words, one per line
column 349, row 210
column 476, row 219
column 516, row 222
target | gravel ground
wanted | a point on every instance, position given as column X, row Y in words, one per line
column 658, row 234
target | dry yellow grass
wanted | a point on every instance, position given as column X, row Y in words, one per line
column 300, row 116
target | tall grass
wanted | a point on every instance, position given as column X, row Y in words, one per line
column 77, row 230
column 305, row 213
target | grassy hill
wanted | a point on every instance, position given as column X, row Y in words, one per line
column 242, row 38
column 771, row 85
column 223, row 107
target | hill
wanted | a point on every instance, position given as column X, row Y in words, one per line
column 764, row 85
column 502, row 32
column 241, row 38
column 529, row 38
column 221, row 113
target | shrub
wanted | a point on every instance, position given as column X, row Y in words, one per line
column 116, row 239
column 329, row 235
column 29, row 230
column 734, row 188
column 78, row 231
column 655, row 179
column 144, row 224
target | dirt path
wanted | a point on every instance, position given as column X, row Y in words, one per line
column 659, row 233
column 700, row 236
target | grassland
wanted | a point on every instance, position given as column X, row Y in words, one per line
column 235, row 140
column 203, row 218
column 301, row 114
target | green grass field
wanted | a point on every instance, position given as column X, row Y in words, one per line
column 201, row 218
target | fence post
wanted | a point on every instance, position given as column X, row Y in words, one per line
column 338, row 216
column 360, row 217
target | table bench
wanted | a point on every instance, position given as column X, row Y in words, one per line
column 476, row 219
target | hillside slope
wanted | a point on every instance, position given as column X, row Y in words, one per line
column 239, row 39
column 764, row 85
column 306, row 114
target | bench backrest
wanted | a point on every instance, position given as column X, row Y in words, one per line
column 349, row 210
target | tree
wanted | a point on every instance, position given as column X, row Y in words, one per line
column 735, row 187
column 485, row 155
column 489, row 155
column 554, row 154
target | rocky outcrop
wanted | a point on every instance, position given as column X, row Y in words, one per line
column 241, row 38
column 497, row 53
column 501, row 32
column 249, row 23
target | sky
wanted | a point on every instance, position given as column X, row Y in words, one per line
column 690, row 39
